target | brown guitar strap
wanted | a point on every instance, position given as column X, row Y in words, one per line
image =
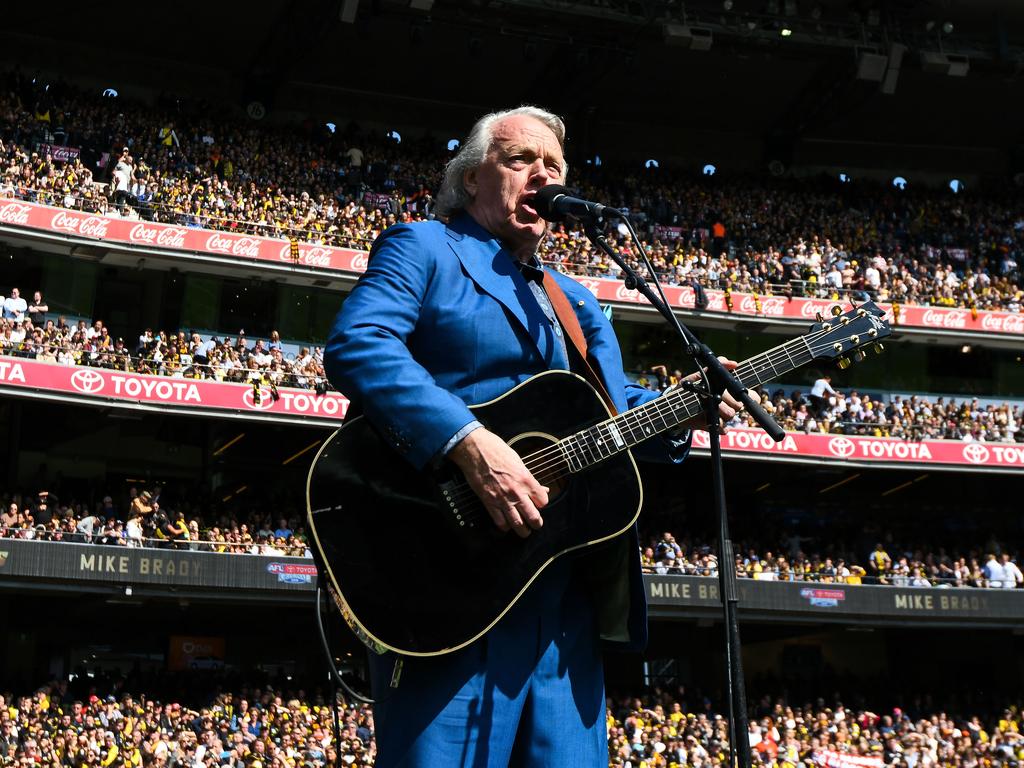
column 571, row 326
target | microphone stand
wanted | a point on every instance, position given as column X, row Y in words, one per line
column 715, row 378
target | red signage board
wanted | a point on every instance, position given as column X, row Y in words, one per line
column 249, row 248
column 202, row 395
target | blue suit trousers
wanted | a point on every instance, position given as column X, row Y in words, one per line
column 529, row 693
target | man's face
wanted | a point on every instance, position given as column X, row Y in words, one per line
column 524, row 156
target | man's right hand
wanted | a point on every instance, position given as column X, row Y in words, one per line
column 496, row 473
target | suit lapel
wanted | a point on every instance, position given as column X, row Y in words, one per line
column 491, row 268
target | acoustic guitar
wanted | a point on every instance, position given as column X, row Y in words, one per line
column 413, row 559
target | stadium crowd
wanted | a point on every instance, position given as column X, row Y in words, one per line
column 907, row 567
column 53, row 727
column 821, row 408
column 25, row 332
column 171, row 162
column 143, row 521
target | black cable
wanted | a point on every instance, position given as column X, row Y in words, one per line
column 335, row 674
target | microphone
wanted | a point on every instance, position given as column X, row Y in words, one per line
column 554, row 203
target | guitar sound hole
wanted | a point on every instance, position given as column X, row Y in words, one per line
column 550, row 471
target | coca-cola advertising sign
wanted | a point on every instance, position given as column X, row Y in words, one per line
column 80, row 224
column 276, row 253
column 185, row 395
column 13, row 212
column 168, row 237
column 59, row 152
column 165, row 237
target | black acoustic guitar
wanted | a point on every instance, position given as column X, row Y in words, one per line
column 413, row 559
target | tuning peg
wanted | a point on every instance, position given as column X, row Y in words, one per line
column 858, row 355
column 836, row 310
column 844, row 363
column 879, row 347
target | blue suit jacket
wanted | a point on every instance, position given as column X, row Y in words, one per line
column 442, row 318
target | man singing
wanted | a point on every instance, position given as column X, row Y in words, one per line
column 450, row 313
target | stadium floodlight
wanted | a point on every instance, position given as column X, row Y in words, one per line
column 331, row 127
column 651, row 163
column 110, row 93
column 709, row 169
column 957, row 186
column 844, row 178
column 899, row 182
column 395, row 136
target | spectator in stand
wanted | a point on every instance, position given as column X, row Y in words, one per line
column 37, row 310
column 1012, row 576
column 15, row 306
column 820, row 395
column 995, row 574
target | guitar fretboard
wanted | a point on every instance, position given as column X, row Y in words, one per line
column 601, row 441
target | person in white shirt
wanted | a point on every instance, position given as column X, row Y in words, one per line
column 1012, row 576
column 995, row 574
column 818, row 394
column 15, row 306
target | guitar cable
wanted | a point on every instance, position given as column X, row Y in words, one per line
column 335, row 675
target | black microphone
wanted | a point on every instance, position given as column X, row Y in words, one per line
column 554, row 203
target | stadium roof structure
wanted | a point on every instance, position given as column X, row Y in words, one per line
column 916, row 85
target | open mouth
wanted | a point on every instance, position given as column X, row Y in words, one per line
column 527, row 203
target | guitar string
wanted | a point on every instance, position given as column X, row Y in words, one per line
column 553, row 463
column 556, row 455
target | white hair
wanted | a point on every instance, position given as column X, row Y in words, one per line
column 453, row 196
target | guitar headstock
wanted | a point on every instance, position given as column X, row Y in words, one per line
column 845, row 335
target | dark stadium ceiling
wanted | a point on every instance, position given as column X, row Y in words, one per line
column 610, row 66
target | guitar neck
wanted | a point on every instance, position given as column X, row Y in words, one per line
column 601, row 441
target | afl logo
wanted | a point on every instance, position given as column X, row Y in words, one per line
column 976, row 453
column 265, row 399
column 843, row 447
column 87, row 382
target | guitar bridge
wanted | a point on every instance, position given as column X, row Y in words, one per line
column 453, row 500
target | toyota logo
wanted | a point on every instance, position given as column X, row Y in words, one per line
column 87, row 382
column 976, row 453
column 843, row 447
column 265, row 399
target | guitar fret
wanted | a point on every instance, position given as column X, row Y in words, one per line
column 754, row 372
column 570, row 457
column 600, row 442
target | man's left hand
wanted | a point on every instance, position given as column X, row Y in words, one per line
column 729, row 406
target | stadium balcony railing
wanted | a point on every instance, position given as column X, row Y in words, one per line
column 796, row 301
